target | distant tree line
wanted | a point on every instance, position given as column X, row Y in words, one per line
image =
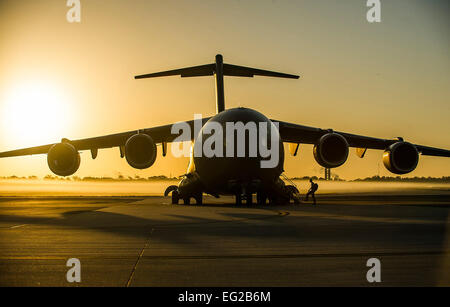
column 17, row 177
column 405, row 179
column 91, row 178
column 382, row 178
column 334, row 178
column 162, row 177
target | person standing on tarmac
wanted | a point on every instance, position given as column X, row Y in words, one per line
column 312, row 190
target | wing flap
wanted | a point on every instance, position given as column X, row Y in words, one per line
column 26, row 151
column 431, row 151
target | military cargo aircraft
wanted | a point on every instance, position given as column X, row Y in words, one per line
column 241, row 175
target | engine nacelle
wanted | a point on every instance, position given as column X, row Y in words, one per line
column 331, row 150
column 63, row 159
column 401, row 158
column 140, row 151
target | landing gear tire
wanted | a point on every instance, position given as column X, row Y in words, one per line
column 261, row 199
column 199, row 199
column 249, row 199
column 278, row 200
column 175, row 197
column 238, row 199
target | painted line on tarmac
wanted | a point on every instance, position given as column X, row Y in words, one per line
column 283, row 213
column 18, row 226
column 139, row 258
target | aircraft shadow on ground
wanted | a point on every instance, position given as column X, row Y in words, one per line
column 267, row 227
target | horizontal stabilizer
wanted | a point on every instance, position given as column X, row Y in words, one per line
column 195, row 71
column 218, row 69
column 241, row 71
column 210, row 69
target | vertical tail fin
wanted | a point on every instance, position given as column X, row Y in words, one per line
column 220, row 91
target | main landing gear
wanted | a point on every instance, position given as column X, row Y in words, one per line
column 187, row 200
column 176, row 196
column 247, row 197
column 261, row 198
column 281, row 197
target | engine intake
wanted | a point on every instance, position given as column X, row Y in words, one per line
column 63, row 159
column 331, row 150
column 401, row 158
column 140, row 151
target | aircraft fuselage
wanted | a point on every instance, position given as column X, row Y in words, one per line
column 251, row 154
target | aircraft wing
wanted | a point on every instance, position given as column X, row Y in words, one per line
column 293, row 133
column 159, row 134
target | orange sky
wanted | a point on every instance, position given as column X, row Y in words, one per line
column 75, row 80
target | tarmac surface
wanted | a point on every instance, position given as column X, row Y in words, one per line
column 145, row 241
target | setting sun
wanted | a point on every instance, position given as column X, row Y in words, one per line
column 35, row 112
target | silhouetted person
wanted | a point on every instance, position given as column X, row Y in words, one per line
column 312, row 190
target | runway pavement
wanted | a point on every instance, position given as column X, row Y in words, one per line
column 145, row 241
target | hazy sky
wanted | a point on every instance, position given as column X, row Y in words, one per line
column 75, row 80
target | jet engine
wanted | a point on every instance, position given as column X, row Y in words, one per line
column 331, row 150
column 63, row 159
column 140, row 151
column 401, row 158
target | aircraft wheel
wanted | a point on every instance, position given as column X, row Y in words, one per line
column 273, row 201
column 261, row 198
column 249, row 199
column 238, row 199
column 199, row 199
column 175, row 197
